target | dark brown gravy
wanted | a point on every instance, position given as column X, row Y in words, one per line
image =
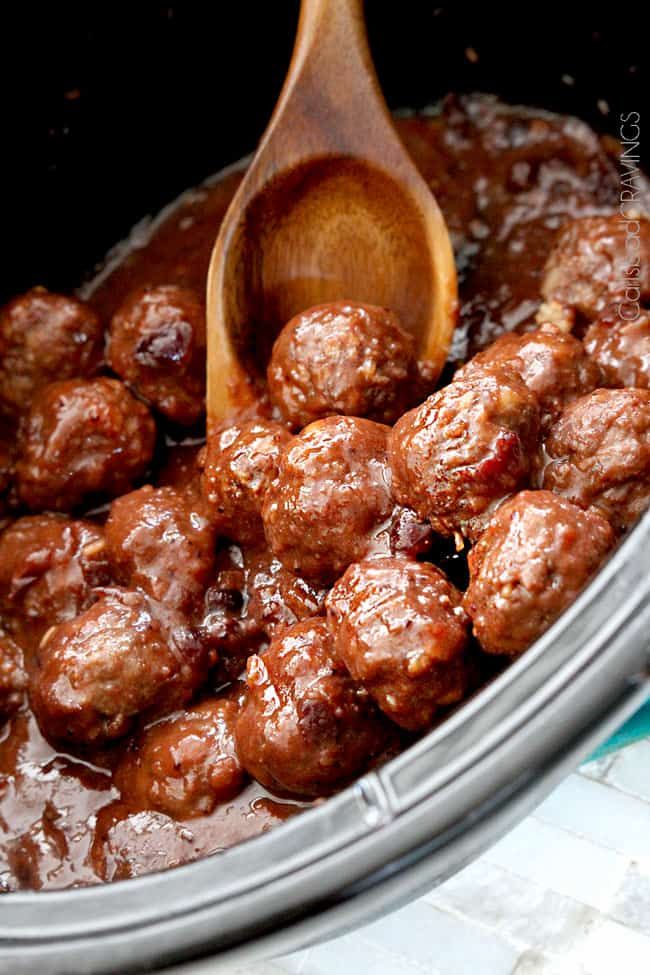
column 506, row 179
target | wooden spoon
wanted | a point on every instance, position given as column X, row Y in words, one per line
column 332, row 207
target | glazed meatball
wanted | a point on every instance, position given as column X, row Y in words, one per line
column 13, row 679
column 598, row 453
column 399, row 628
column 621, row 349
column 157, row 346
column 240, row 464
column 597, row 263
column 160, row 540
column 455, row 457
column 529, row 565
column 330, row 498
column 186, row 764
column 82, row 438
column 306, row 728
column 49, row 565
column 342, row 357
column 553, row 365
column 45, row 337
column 121, row 658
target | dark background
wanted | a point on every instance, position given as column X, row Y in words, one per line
column 109, row 110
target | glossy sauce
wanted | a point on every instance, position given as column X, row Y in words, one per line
column 506, row 179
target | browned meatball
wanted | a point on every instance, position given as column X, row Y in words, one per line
column 330, row 498
column 49, row 565
column 343, row 357
column 598, row 262
column 122, row 658
column 306, row 728
column 160, row 540
column 553, row 365
column 13, row 679
column 621, row 349
column 82, row 438
column 535, row 556
column 598, row 453
column 45, row 337
column 399, row 628
column 464, row 449
column 186, row 764
column 157, row 345
column 240, row 464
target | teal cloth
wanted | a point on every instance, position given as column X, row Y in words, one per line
column 635, row 729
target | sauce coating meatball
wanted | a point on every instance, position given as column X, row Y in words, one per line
column 82, row 438
column 241, row 462
column 13, row 679
column 343, row 357
column 621, row 350
column 159, row 540
column 305, row 728
column 529, row 565
column 157, row 346
column 45, row 337
column 49, row 565
column 464, row 449
column 133, row 844
column 186, row 764
column 597, row 263
column 121, row 658
column 399, row 628
column 253, row 598
column 553, row 365
column 330, row 498
column 598, row 453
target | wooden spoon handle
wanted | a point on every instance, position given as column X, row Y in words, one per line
column 331, row 85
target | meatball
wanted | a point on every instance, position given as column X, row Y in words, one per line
column 160, row 540
column 455, row 457
column 330, row 498
column 45, row 337
column 49, row 565
column 598, row 453
column 186, row 764
column 157, row 346
column 399, row 628
column 306, row 728
column 343, row 357
column 529, row 565
column 621, row 349
column 121, row 658
column 240, row 463
column 13, row 679
column 598, row 262
column 553, row 365
column 80, row 439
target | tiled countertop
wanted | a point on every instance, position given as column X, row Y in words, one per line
column 565, row 893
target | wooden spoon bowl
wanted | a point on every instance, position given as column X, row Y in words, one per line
column 331, row 208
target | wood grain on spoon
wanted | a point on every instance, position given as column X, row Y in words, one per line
column 332, row 207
